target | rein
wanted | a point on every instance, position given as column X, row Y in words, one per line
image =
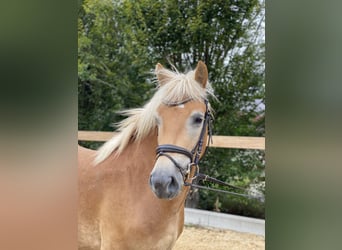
column 194, row 156
column 259, row 196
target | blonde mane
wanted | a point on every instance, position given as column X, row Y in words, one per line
column 174, row 88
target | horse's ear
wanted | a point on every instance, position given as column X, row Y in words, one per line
column 160, row 73
column 201, row 74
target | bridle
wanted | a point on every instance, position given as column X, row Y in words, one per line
column 195, row 154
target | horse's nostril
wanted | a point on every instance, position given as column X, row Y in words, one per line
column 172, row 181
column 173, row 186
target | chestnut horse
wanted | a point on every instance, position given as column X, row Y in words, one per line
column 132, row 190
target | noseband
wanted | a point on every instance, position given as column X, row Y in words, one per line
column 195, row 154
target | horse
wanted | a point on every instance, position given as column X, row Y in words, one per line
column 132, row 190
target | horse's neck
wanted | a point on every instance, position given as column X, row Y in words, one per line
column 139, row 158
column 141, row 155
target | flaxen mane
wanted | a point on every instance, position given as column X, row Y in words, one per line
column 175, row 87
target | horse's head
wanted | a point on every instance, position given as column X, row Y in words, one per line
column 183, row 122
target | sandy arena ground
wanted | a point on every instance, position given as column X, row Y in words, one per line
column 197, row 238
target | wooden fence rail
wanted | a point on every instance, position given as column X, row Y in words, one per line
column 219, row 141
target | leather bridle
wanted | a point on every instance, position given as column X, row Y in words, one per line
column 195, row 154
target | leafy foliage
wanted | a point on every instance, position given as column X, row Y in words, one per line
column 121, row 42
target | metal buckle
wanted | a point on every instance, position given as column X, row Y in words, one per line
column 190, row 165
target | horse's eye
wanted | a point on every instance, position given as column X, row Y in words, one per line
column 198, row 120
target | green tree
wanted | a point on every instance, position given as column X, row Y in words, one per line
column 111, row 75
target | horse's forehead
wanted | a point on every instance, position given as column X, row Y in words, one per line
column 181, row 110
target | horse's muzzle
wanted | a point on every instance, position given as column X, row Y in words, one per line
column 165, row 186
